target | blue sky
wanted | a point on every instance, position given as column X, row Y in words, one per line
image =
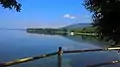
column 45, row 13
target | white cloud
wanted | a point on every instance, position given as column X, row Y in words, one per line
column 72, row 17
column 69, row 16
column 66, row 16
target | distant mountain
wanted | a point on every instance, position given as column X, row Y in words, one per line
column 78, row 25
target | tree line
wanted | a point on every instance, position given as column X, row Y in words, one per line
column 61, row 30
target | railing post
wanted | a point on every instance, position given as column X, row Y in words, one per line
column 60, row 51
column 60, row 57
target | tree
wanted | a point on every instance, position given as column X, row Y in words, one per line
column 106, row 17
column 11, row 4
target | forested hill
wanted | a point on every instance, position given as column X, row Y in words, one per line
column 78, row 25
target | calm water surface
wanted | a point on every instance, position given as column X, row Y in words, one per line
column 19, row 44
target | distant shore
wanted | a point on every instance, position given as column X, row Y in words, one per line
column 50, row 31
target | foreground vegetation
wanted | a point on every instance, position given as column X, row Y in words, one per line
column 106, row 17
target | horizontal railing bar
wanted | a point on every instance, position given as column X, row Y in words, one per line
column 106, row 63
column 28, row 59
column 116, row 48
column 55, row 53
column 80, row 51
column 90, row 50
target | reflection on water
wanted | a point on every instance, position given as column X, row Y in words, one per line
column 87, row 39
column 19, row 44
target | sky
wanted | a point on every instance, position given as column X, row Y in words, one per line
column 45, row 13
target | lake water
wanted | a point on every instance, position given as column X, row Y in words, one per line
column 19, row 44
